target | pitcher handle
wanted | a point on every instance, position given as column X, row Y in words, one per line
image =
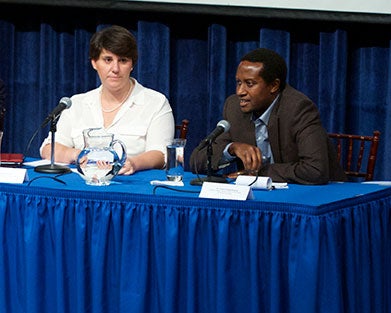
column 123, row 147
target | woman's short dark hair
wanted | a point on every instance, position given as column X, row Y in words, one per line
column 274, row 65
column 117, row 40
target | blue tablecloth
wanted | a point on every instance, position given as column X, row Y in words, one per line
column 317, row 196
column 69, row 247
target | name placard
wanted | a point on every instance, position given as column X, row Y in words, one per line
column 13, row 175
column 225, row 191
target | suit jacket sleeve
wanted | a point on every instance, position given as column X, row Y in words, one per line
column 301, row 148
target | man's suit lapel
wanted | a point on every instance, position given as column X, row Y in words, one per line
column 274, row 132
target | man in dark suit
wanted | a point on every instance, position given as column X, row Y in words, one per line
column 275, row 130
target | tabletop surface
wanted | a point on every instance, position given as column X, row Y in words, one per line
column 305, row 196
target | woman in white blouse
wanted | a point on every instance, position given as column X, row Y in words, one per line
column 140, row 117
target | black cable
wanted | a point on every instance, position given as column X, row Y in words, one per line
column 174, row 189
column 61, row 174
column 195, row 167
column 30, row 141
column 50, row 177
column 255, row 180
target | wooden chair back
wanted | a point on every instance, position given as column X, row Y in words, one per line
column 182, row 129
column 357, row 154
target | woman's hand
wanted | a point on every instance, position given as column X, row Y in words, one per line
column 144, row 161
column 128, row 168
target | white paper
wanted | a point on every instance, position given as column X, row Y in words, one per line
column 261, row 182
column 166, row 183
column 225, row 191
column 41, row 162
column 280, row 185
column 379, row 182
column 13, row 175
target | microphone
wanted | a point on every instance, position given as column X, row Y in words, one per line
column 65, row 103
column 222, row 127
column 52, row 168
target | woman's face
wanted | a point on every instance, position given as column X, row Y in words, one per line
column 113, row 70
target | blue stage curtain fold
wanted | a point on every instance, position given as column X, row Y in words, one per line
column 332, row 79
column 344, row 68
column 154, row 53
column 216, row 73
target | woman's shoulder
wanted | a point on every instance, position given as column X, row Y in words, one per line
column 85, row 97
column 148, row 93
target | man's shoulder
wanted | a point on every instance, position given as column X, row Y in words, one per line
column 232, row 102
column 232, row 99
column 290, row 92
column 294, row 103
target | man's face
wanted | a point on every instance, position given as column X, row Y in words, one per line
column 255, row 94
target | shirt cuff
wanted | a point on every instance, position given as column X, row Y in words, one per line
column 226, row 155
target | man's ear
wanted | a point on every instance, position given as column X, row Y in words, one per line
column 275, row 86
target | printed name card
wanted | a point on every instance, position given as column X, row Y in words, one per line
column 13, row 175
column 225, row 191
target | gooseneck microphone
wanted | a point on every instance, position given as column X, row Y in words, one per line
column 65, row 103
column 221, row 127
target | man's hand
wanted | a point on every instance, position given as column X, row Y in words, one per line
column 250, row 155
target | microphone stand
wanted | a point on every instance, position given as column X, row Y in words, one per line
column 52, row 168
column 209, row 178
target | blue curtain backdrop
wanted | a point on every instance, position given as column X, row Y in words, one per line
column 344, row 67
